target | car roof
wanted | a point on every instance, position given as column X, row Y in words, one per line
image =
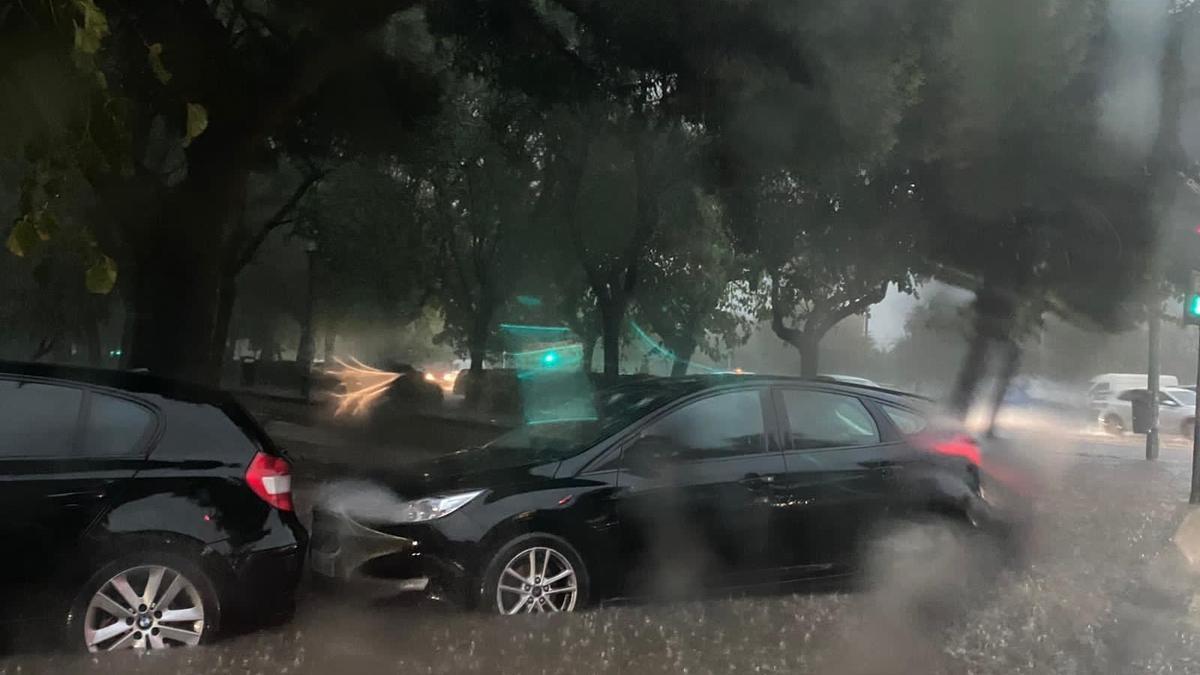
column 702, row 382
column 125, row 380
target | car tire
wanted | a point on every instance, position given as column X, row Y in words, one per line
column 1187, row 429
column 1113, row 425
column 513, row 581
column 194, row 600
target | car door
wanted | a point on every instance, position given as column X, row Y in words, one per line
column 57, row 463
column 696, row 494
column 1171, row 413
column 837, row 478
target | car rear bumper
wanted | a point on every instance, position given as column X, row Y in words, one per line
column 264, row 580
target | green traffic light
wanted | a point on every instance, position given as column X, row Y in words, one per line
column 1194, row 304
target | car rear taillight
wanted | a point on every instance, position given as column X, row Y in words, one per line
column 958, row 445
column 270, row 477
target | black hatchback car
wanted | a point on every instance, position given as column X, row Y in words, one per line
column 138, row 512
column 676, row 485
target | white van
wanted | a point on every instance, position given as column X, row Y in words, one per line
column 1110, row 382
column 1104, row 392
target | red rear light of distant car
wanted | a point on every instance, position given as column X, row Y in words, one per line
column 270, row 478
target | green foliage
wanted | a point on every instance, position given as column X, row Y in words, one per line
column 91, row 32
column 687, row 295
column 101, row 274
column 197, row 122
column 154, row 54
column 80, row 129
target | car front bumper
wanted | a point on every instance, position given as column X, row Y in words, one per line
column 345, row 550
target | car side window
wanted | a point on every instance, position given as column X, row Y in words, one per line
column 115, row 427
column 718, row 426
column 906, row 421
column 818, row 419
column 38, row 420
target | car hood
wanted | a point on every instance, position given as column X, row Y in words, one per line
column 465, row 469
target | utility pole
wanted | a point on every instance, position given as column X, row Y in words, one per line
column 1194, row 496
column 1191, row 317
column 1153, row 323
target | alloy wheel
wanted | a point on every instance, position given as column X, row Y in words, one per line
column 538, row 579
column 146, row 607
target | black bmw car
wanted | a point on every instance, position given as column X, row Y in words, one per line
column 138, row 512
column 674, row 485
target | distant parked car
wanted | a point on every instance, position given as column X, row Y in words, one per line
column 138, row 513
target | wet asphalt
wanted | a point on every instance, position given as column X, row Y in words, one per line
column 1104, row 591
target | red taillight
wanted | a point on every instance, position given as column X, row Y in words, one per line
column 270, row 478
column 958, row 445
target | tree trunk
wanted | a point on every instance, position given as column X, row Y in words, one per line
column 1011, row 363
column 179, row 262
column 970, row 374
column 611, row 314
column 994, row 321
column 477, row 350
column 589, row 352
column 126, row 330
column 330, row 343
column 810, row 355
column 91, row 336
column 308, row 343
column 681, row 352
column 219, row 349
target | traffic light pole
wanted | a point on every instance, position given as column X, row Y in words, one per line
column 1153, row 324
column 1194, row 497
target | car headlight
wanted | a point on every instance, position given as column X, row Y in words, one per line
column 432, row 508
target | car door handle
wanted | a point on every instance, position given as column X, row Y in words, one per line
column 757, row 481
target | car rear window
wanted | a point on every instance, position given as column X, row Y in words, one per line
column 907, row 421
column 115, row 427
column 37, row 420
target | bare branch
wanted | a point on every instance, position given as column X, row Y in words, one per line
column 281, row 217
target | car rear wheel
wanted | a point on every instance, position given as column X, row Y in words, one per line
column 534, row 574
column 145, row 601
column 1187, row 429
column 1113, row 425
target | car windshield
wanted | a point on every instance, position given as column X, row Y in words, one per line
column 616, row 409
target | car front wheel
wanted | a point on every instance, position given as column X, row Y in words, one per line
column 145, row 601
column 534, row 574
